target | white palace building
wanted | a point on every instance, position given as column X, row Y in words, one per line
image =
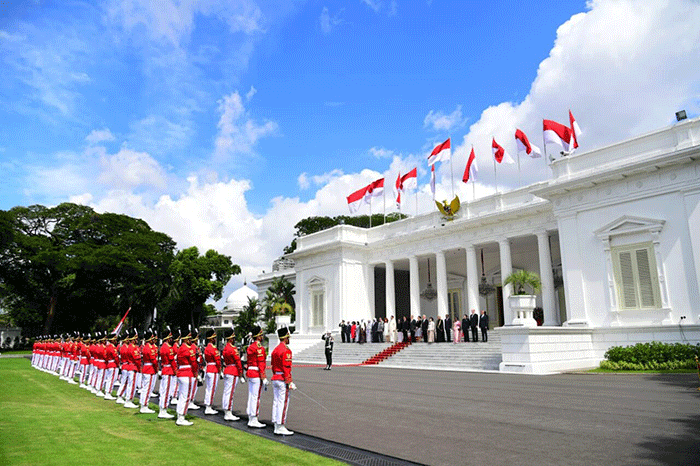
column 614, row 235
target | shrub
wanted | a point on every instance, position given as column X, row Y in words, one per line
column 651, row 356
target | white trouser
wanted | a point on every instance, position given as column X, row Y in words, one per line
column 187, row 387
column 130, row 386
column 280, row 401
column 149, row 382
column 255, row 387
column 73, row 368
column 110, row 376
column 212, row 379
column 167, row 389
column 122, row 384
column 83, row 373
column 99, row 378
column 230, row 383
column 137, row 380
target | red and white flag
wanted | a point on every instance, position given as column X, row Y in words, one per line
column 374, row 189
column 406, row 182
column 355, row 200
column 556, row 133
column 500, row 153
column 471, row 169
column 524, row 145
column 432, row 180
column 118, row 329
column 575, row 129
column 441, row 153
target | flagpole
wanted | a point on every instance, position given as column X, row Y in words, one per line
column 544, row 144
column 473, row 190
column 493, row 157
column 370, row 211
column 520, row 181
column 452, row 173
column 416, row 195
column 384, row 202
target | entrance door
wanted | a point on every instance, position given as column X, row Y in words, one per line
column 499, row 306
column 454, row 301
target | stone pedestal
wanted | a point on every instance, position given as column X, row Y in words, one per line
column 522, row 307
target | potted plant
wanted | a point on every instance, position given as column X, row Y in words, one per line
column 521, row 303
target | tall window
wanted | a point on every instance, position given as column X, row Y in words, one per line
column 317, row 308
column 636, row 277
column 454, row 300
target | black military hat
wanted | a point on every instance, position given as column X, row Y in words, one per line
column 195, row 333
column 186, row 333
column 283, row 332
column 211, row 334
column 176, row 334
column 169, row 334
column 150, row 335
column 257, row 331
column 229, row 334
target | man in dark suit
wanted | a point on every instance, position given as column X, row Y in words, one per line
column 375, row 325
column 474, row 321
column 465, row 328
column 440, row 330
column 484, row 325
column 424, row 328
column 448, row 327
column 342, row 330
column 412, row 327
column 404, row 329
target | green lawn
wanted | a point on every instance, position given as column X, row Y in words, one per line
column 673, row 371
column 45, row 421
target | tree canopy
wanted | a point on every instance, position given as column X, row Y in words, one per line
column 315, row 224
column 69, row 268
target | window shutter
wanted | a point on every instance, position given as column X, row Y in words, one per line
column 646, row 287
column 627, row 276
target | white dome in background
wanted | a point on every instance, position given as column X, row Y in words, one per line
column 239, row 298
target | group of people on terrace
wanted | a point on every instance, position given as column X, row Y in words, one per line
column 417, row 328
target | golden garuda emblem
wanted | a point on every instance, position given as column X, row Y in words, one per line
column 449, row 210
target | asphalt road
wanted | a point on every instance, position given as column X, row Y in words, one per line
column 443, row 418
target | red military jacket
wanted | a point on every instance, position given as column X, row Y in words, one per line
column 84, row 353
column 281, row 361
column 110, row 356
column 133, row 357
column 167, row 358
column 256, row 361
column 99, row 356
column 232, row 360
column 149, row 357
column 212, row 358
column 123, row 358
column 187, row 360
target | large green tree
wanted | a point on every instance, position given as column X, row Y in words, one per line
column 195, row 279
column 278, row 300
column 67, row 265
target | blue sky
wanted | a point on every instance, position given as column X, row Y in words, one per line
column 222, row 123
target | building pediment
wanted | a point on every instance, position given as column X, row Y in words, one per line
column 628, row 224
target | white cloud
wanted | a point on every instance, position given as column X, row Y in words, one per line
column 380, row 152
column 328, row 22
column 373, row 4
column 238, row 133
column 393, row 8
column 439, row 121
column 303, row 181
column 128, row 169
column 249, row 95
column 99, row 135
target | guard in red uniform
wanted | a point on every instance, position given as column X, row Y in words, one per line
column 84, row 359
column 233, row 371
column 100, row 365
column 212, row 358
column 282, row 383
column 168, row 379
column 149, row 369
column 186, row 370
column 124, row 377
column 256, row 377
column 110, row 367
column 132, row 366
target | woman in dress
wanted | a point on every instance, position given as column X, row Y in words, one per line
column 431, row 331
column 456, row 332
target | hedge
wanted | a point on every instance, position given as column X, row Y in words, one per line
column 651, row 356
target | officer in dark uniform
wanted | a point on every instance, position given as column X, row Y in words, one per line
column 329, row 350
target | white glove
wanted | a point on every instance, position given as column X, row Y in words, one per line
column 242, row 379
column 266, row 382
column 292, row 386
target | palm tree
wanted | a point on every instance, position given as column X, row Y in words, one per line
column 521, row 279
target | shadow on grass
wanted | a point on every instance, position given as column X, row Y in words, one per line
column 682, row 448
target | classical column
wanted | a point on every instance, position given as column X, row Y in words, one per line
column 369, row 273
column 390, row 291
column 547, row 277
column 415, row 285
column 506, row 269
column 472, row 281
column 441, row 272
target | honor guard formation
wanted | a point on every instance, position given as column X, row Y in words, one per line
column 135, row 362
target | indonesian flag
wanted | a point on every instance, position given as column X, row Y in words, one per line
column 471, row 168
column 408, row 181
column 575, row 129
column 432, row 180
column 440, row 153
column 500, row 153
column 355, row 200
column 118, row 329
column 374, row 189
column 524, row 145
column 557, row 133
